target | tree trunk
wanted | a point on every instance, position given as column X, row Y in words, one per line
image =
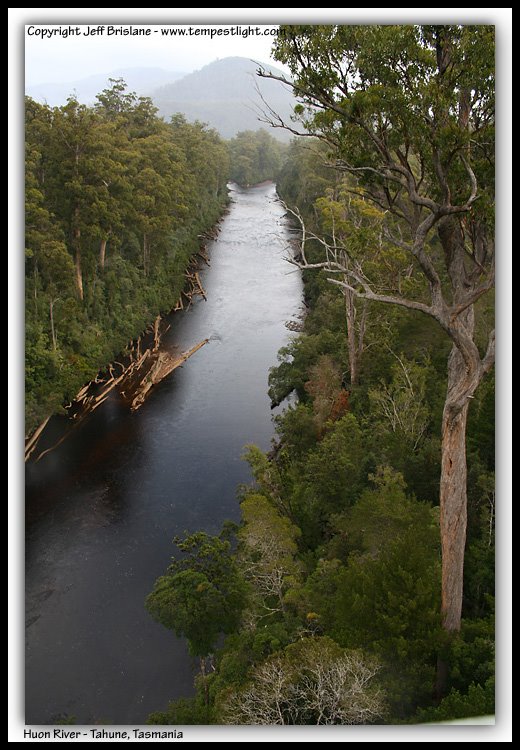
column 78, row 275
column 350, row 312
column 102, row 254
column 453, row 497
column 53, row 331
column 464, row 374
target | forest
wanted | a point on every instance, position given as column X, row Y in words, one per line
column 358, row 587
column 116, row 200
column 255, row 156
column 116, row 203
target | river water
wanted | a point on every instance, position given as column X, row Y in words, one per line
column 103, row 508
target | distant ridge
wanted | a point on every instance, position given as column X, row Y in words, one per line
column 223, row 94
column 140, row 80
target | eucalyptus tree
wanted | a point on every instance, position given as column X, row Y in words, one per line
column 408, row 112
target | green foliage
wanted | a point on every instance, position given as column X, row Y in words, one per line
column 305, row 177
column 481, row 424
column 472, row 653
column 267, row 554
column 292, row 372
column 479, row 700
column 182, row 712
column 479, row 571
column 66, row 719
column 297, row 430
column 255, row 156
column 339, row 539
column 202, row 594
column 330, row 478
column 115, row 200
column 400, row 406
column 385, row 592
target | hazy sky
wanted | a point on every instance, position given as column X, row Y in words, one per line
column 59, row 58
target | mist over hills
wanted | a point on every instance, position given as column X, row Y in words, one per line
column 223, row 94
column 141, row 80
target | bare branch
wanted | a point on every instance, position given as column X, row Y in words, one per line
column 386, row 298
column 473, row 182
column 475, row 295
column 489, row 357
column 324, row 101
column 355, row 272
column 270, row 117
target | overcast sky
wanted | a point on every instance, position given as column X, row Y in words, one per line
column 60, row 59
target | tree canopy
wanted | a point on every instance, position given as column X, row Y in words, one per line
column 390, row 193
column 408, row 114
column 115, row 199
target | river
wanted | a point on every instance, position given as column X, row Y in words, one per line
column 103, row 508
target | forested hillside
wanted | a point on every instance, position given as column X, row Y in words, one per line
column 255, row 156
column 115, row 201
column 337, row 571
column 225, row 94
column 342, row 592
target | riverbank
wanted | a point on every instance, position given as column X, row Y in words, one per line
column 110, row 228
column 133, row 371
column 104, row 507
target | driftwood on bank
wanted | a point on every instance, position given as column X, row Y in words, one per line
column 143, row 364
column 162, row 365
column 143, row 371
column 30, row 443
column 134, row 384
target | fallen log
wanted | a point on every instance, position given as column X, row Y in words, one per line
column 33, row 440
column 164, row 364
column 156, row 337
column 48, row 450
column 200, row 287
column 202, row 255
column 140, row 370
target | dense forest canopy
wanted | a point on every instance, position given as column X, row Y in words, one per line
column 255, row 156
column 408, row 113
column 115, row 200
column 354, row 606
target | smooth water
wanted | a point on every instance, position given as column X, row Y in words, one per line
column 103, row 508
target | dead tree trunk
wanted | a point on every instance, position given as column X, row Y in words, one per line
column 350, row 313
column 53, row 330
column 78, row 274
column 146, row 253
column 102, row 254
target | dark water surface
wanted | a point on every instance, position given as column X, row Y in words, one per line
column 104, row 507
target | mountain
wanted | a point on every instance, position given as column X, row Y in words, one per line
column 140, row 80
column 223, row 94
